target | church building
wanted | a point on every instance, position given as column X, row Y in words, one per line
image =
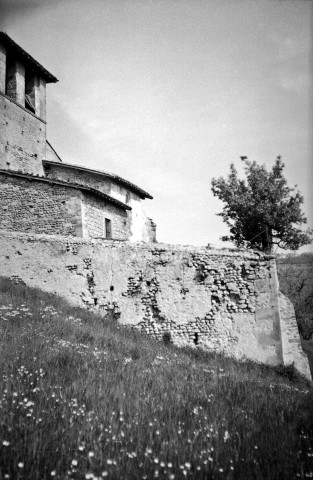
column 39, row 193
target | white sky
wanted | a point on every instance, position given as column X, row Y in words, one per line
column 167, row 93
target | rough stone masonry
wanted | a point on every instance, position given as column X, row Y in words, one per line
column 220, row 300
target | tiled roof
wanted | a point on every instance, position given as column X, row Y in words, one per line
column 24, row 56
column 93, row 191
column 112, row 176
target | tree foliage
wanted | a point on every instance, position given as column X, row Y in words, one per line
column 261, row 210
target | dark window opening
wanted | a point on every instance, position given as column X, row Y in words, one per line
column 111, row 288
column 108, row 228
column 29, row 105
column 10, row 81
column 196, row 338
column 30, row 86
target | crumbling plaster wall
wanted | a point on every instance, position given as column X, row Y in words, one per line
column 22, row 138
column 225, row 301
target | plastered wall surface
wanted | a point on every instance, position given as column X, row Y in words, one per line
column 225, row 301
column 140, row 224
column 22, row 138
column 32, row 206
column 292, row 348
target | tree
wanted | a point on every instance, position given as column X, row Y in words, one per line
column 261, row 211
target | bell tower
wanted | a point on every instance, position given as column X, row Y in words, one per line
column 22, row 109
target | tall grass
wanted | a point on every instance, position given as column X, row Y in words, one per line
column 84, row 399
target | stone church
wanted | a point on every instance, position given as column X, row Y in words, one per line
column 39, row 193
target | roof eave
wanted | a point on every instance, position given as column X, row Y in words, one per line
column 49, row 78
column 77, row 186
column 130, row 185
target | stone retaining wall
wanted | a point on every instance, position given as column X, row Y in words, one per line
column 220, row 300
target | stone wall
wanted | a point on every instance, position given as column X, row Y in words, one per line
column 28, row 205
column 220, row 300
column 22, row 138
column 94, row 213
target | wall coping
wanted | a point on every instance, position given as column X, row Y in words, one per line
column 156, row 247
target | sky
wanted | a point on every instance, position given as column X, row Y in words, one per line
column 169, row 93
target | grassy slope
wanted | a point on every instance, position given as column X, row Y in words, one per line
column 82, row 399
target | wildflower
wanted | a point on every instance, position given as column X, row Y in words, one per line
column 74, row 462
column 53, row 473
column 172, row 476
column 226, row 436
column 81, row 447
column 104, row 474
column 89, row 476
column 109, row 462
column 5, row 443
column 20, row 465
column 188, row 465
column 91, row 454
column 169, row 465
